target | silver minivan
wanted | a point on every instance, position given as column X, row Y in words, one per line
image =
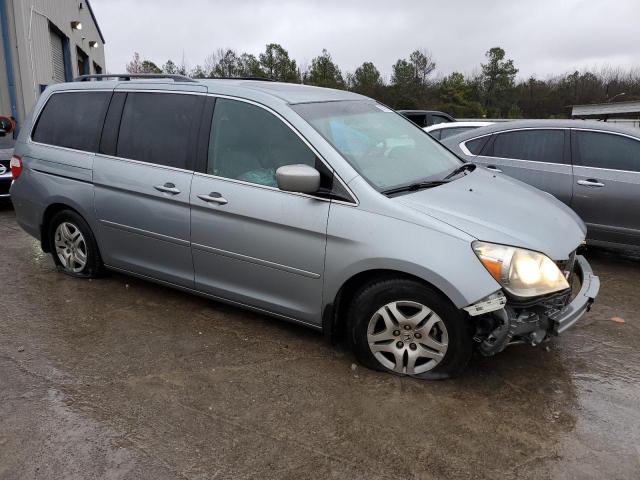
column 317, row 206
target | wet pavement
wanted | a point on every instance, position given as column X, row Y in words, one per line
column 120, row 378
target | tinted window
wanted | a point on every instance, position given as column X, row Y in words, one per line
column 435, row 119
column 450, row 132
column 435, row 134
column 158, row 128
column 248, row 143
column 72, row 120
column 418, row 118
column 604, row 150
column 476, row 145
column 535, row 145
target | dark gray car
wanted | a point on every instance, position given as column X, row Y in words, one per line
column 593, row 167
column 426, row 118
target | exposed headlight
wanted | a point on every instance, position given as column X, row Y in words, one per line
column 524, row 273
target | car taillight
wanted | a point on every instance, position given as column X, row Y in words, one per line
column 16, row 166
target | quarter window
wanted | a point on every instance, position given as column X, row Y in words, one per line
column 72, row 120
column 158, row 128
column 605, row 150
column 248, row 143
column 476, row 145
column 534, row 145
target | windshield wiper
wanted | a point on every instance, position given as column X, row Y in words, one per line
column 462, row 168
column 414, row 187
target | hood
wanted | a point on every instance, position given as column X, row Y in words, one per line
column 496, row 208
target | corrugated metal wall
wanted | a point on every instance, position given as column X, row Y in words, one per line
column 5, row 101
column 40, row 51
column 57, row 57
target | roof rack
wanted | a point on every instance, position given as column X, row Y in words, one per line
column 129, row 76
column 262, row 79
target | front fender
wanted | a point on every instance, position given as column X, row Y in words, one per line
column 359, row 241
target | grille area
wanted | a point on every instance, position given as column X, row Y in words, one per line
column 567, row 266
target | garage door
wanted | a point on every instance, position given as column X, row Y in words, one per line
column 57, row 57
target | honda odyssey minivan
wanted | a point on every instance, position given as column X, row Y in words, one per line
column 317, row 206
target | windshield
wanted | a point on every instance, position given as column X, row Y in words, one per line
column 384, row 147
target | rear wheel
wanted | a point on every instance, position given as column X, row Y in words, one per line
column 73, row 245
column 404, row 327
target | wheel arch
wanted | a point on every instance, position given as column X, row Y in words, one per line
column 48, row 214
column 334, row 313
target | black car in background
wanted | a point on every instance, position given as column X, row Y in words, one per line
column 426, row 118
column 6, row 150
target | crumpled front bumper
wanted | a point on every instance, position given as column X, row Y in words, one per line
column 501, row 322
column 581, row 303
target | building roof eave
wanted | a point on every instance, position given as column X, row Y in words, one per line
column 606, row 109
column 95, row 21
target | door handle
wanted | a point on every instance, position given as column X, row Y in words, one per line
column 213, row 197
column 590, row 182
column 167, row 188
column 494, row 168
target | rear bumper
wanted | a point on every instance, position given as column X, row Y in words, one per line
column 590, row 285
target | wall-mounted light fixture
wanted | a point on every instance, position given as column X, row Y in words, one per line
column 93, row 44
column 76, row 26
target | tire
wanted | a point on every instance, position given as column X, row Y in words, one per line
column 73, row 246
column 413, row 329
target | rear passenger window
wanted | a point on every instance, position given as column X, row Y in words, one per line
column 418, row 119
column 158, row 128
column 605, row 150
column 534, row 145
column 248, row 143
column 72, row 120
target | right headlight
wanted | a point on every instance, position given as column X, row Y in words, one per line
column 523, row 273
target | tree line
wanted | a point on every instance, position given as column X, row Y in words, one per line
column 493, row 91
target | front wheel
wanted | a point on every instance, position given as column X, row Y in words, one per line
column 404, row 327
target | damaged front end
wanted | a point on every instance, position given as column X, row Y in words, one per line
column 502, row 320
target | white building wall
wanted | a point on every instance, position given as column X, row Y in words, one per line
column 32, row 53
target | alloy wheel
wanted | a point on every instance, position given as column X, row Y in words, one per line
column 407, row 337
column 71, row 247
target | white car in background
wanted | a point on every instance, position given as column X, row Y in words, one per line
column 440, row 131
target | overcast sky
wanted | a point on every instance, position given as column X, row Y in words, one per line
column 543, row 37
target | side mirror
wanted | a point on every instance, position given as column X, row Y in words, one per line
column 298, row 178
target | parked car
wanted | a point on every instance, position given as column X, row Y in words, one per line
column 594, row 167
column 426, row 118
column 5, row 179
column 5, row 171
column 317, row 206
column 6, row 149
column 440, row 131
